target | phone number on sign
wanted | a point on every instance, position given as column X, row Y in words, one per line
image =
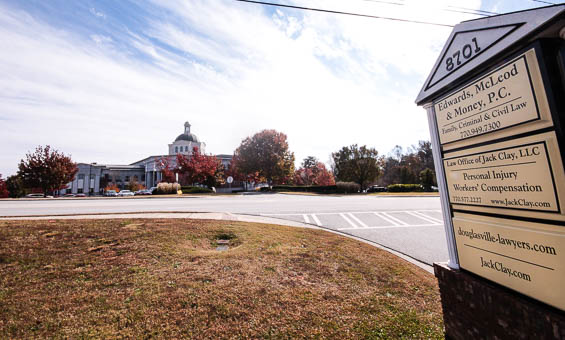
column 480, row 129
column 465, row 199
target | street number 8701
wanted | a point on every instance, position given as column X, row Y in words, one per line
column 465, row 53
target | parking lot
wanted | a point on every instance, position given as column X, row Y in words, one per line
column 395, row 229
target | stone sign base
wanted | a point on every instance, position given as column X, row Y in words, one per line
column 474, row 308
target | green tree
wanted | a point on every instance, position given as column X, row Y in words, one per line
column 427, row 179
column 404, row 167
column 425, row 155
column 406, row 175
column 4, row 193
column 356, row 164
column 15, row 186
column 266, row 154
column 310, row 162
column 47, row 170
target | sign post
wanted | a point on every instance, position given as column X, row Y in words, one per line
column 495, row 103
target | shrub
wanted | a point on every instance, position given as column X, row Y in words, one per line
column 405, row 188
column 347, row 187
column 112, row 186
column 195, row 190
column 134, row 185
column 166, row 189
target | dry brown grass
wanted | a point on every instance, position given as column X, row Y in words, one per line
column 165, row 279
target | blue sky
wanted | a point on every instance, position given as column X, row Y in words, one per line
column 114, row 81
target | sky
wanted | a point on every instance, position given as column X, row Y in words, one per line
column 113, row 82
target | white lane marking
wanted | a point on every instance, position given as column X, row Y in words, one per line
column 352, row 212
column 437, row 220
column 306, row 219
column 385, row 218
column 399, row 221
column 348, row 221
column 315, row 218
column 394, row 227
column 421, row 217
column 358, row 220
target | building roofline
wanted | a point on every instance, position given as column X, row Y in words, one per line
column 124, row 166
column 146, row 158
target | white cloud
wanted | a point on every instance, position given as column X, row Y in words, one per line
column 325, row 80
column 97, row 13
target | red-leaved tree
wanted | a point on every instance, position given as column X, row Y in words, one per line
column 4, row 193
column 266, row 153
column 167, row 170
column 240, row 175
column 313, row 172
column 198, row 168
column 47, row 170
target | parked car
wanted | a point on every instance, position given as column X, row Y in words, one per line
column 125, row 193
column 69, row 195
column 80, row 195
column 376, row 188
column 143, row 192
column 111, row 193
column 37, row 196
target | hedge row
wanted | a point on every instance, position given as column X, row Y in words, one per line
column 305, row 188
column 340, row 187
column 405, row 188
column 195, row 190
column 348, row 187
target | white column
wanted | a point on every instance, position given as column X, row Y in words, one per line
column 97, row 184
column 442, row 185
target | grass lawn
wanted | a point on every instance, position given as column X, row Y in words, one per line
column 165, row 278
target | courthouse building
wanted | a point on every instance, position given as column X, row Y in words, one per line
column 92, row 178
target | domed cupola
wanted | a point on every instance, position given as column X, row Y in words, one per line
column 186, row 142
column 187, row 136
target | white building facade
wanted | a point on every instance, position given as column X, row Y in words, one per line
column 92, row 178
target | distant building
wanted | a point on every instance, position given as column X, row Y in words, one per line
column 92, row 178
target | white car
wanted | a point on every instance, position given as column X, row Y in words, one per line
column 111, row 193
column 125, row 193
column 38, row 196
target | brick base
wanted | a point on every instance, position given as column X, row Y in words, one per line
column 474, row 308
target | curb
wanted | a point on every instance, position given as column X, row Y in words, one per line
column 345, row 195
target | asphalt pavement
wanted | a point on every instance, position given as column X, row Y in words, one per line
column 409, row 225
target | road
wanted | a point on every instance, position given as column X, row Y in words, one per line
column 410, row 225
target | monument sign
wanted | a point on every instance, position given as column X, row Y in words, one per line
column 495, row 105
